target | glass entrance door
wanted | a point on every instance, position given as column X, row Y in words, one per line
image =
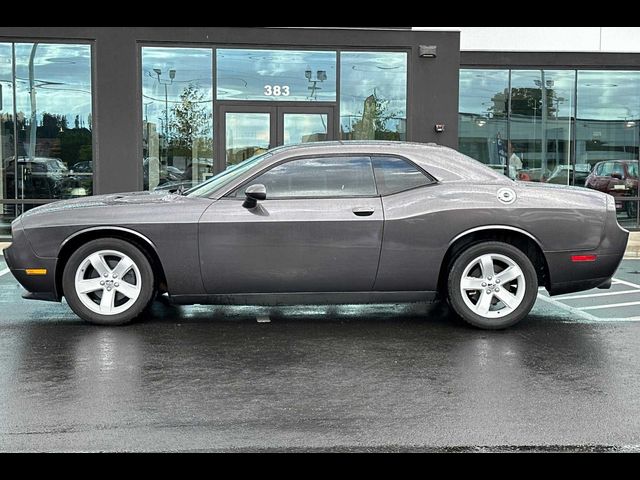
column 250, row 131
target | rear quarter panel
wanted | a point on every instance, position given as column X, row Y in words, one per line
column 421, row 225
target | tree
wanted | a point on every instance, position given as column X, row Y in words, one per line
column 374, row 121
column 190, row 125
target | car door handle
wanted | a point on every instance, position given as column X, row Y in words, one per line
column 363, row 212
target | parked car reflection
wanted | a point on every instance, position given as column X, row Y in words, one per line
column 564, row 175
column 620, row 179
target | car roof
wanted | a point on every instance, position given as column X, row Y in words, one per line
column 442, row 163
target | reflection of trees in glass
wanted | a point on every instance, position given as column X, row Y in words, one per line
column 375, row 119
column 528, row 102
column 190, row 125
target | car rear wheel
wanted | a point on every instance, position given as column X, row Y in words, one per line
column 108, row 282
column 493, row 286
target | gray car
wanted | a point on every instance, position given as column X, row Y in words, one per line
column 328, row 223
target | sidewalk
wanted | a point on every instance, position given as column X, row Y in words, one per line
column 633, row 251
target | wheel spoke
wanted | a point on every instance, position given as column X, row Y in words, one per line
column 128, row 290
column 488, row 270
column 483, row 307
column 86, row 287
column 124, row 267
column 472, row 284
column 509, row 275
column 100, row 265
column 107, row 304
column 509, row 300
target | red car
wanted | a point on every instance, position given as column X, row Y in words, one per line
column 618, row 178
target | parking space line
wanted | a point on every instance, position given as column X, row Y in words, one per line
column 4, row 272
column 604, row 307
column 628, row 284
column 567, row 308
column 599, row 295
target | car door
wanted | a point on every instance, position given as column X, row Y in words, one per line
column 320, row 230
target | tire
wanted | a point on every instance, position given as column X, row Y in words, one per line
column 97, row 290
column 482, row 300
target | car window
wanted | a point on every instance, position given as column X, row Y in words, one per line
column 633, row 170
column 395, row 175
column 618, row 169
column 607, row 170
column 325, row 177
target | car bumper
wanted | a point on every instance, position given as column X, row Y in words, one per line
column 567, row 276
column 21, row 259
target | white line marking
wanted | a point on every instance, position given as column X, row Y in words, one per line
column 567, row 308
column 604, row 307
column 4, row 272
column 598, row 295
column 628, row 284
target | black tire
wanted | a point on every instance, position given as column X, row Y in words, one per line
column 147, row 290
column 466, row 258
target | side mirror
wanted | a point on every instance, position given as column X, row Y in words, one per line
column 255, row 194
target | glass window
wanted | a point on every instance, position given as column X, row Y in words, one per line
column 484, row 126
column 276, row 75
column 319, row 178
column 542, row 110
column 395, row 175
column 608, row 130
column 177, row 95
column 247, row 135
column 373, row 95
column 54, row 106
column 305, row 128
column 7, row 140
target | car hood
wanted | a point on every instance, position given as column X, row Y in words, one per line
column 103, row 201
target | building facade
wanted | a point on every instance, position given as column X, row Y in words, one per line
column 93, row 110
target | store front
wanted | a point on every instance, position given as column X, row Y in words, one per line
column 95, row 110
column 537, row 119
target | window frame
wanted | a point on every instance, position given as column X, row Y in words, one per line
column 418, row 168
column 249, row 182
column 229, row 195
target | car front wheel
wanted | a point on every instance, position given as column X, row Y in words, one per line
column 108, row 282
column 493, row 286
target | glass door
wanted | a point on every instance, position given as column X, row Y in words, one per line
column 247, row 132
column 252, row 130
column 304, row 125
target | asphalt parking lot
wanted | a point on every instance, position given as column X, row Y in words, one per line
column 388, row 378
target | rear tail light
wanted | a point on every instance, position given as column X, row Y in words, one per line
column 584, row 258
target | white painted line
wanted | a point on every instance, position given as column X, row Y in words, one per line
column 628, row 284
column 4, row 272
column 604, row 307
column 567, row 308
column 598, row 295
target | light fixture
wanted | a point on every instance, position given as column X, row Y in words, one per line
column 308, row 74
column 322, row 75
column 428, row 51
column 172, row 74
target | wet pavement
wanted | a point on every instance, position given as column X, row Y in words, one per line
column 387, row 378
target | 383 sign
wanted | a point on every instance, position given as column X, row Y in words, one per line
column 277, row 91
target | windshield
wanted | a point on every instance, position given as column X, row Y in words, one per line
column 223, row 179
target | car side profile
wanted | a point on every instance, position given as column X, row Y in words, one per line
column 326, row 223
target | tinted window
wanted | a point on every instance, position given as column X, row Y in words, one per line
column 319, row 178
column 395, row 175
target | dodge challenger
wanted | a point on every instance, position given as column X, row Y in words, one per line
column 326, row 223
